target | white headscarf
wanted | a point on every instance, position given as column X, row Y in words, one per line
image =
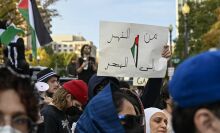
column 149, row 112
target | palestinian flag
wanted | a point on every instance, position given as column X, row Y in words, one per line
column 10, row 34
column 134, row 50
column 29, row 10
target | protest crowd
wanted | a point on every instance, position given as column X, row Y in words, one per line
column 104, row 104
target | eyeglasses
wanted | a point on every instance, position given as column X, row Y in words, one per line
column 21, row 122
column 131, row 120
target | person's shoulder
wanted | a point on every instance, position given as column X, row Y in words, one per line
column 48, row 109
column 79, row 59
column 50, row 112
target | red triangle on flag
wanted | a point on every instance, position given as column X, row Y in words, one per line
column 136, row 40
column 23, row 4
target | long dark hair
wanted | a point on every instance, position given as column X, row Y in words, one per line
column 122, row 94
column 82, row 49
column 132, row 123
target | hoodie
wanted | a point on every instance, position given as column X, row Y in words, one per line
column 97, row 80
column 100, row 115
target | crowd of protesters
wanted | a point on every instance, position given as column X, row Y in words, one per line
column 189, row 103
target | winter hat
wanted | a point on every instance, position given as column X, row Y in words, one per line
column 78, row 89
column 197, row 80
column 45, row 75
column 149, row 112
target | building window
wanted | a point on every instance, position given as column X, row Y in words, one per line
column 71, row 50
column 59, row 50
column 59, row 45
column 64, row 45
column 70, row 45
column 65, row 50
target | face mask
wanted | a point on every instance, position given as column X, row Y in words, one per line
column 74, row 113
column 8, row 129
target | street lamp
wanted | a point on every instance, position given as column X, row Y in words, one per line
column 170, row 30
column 185, row 11
column 170, row 68
column 38, row 60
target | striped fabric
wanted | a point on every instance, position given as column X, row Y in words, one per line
column 46, row 76
column 100, row 115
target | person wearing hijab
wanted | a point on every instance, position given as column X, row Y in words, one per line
column 112, row 111
column 156, row 120
column 98, row 83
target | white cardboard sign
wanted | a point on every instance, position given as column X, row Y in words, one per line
column 132, row 50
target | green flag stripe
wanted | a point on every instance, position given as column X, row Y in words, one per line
column 33, row 42
column 25, row 14
column 8, row 35
column 133, row 50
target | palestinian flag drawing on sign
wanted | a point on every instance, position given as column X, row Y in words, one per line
column 134, row 50
column 29, row 11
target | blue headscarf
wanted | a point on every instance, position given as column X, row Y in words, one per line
column 100, row 115
column 95, row 80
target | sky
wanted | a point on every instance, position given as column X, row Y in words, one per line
column 82, row 17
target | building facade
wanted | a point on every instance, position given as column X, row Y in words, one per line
column 71, row 43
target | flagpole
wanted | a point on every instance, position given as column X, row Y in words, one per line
column 137, row 57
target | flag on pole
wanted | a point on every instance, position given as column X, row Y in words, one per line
column 134, row 50
column 10, row 34
column 29, row 10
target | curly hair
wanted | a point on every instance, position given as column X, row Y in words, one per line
column 59, row 98
column 21, row 84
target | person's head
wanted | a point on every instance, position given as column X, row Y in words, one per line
column 130, row 110
column 51, row 78
column 18, row 102
column 113, row 110
column 85, row 50
column 71, row 97
column 73, row 60
column 97, row 84
column 156, row 120
column 195, row 90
